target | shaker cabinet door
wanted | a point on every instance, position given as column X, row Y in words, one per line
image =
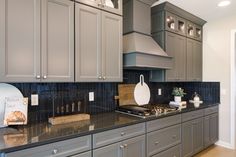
column 88, row 43
column 111, row 47
column 19, row 40
column 57, row 41
column 113, row 150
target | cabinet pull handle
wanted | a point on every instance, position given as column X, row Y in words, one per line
column 55, row 151
column 122, row 134
column 156, row 143
column 125, row 145
column 122, row 147
column 38, row 77
column 44, row 77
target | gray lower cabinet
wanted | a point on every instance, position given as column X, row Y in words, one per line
column 129, row 148
column 58, row 149
column 172, row 152
column 37, row 41
column 192, row 137
column 194, row 60
column 98, row 45
column 210, row 129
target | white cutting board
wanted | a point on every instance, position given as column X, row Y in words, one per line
column 7, row 90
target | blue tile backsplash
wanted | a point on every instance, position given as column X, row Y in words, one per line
column 72, row 98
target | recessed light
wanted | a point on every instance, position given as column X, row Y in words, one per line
column 223, row 3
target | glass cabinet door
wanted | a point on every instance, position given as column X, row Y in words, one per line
column 181, row 26
column 190, row 30
column 171, row 22
column 114, row 6
column 198, row 32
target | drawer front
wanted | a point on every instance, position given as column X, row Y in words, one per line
column 58, row 149
column 172, row 152
column 211, row 110
column 86, row 154
column 111, row 136
column 192, row 115
column 160, row 140
column 163, row 122
column 72, row 146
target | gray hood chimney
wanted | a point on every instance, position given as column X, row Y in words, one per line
column 139, row 48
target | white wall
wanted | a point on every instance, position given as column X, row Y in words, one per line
column 216, row 67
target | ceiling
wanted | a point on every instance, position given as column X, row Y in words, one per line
column 205, row 9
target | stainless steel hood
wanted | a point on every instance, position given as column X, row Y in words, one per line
column 139, row 48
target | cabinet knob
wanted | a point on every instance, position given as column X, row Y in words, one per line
column 125, row 145
column 38, row 77
column 122, row 134
column 104, row 78
column 100, row 77
column 55, row 151
column 156, row 143
column 122, row 147
column 44, row 77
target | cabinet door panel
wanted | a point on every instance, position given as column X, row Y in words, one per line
column 187, row 139
column 111, row 47
column 93, row 3
column 197, row 135
column 19, row 40
column 176, row 47
column 88, row 43
column 214, row 128
column 207, row 140
column 135, row 147
column 113, row 150
column 57, row 40
column 86, row 154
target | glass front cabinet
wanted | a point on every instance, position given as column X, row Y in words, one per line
column 175, row 24
column 113, row 6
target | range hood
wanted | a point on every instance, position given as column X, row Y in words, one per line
column 139, row 48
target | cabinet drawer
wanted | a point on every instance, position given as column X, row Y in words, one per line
column 211, row 110
column 86, row 154
column 58, row 149
column 172, row 152
column 162, row 123
column 160, row 140
column 192, row 115
column 111, row 136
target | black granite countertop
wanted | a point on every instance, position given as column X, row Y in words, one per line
column 17, row 138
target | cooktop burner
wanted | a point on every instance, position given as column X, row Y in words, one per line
column 146, row 110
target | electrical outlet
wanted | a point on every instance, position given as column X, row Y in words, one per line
column 91, row 96
column 159, row 91
column 34, row 100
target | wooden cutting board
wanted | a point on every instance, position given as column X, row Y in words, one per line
column 126, row 94
column 68, row 119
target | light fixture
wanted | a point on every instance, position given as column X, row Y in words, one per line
column 223, row 3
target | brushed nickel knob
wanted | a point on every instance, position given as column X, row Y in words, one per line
column 122, row 147
column 38, row 77
column 104, row 78
column 100, row 77
column 125, row 145
column 122, row 134
column 44, row 77
column 156, row 143
column 55, row 151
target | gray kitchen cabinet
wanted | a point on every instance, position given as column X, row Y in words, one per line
column 86, row 154
column 194, row 60
column 112, row 150
column 19, row 40
column 65, row 148
column 37, row 41
column 134, row 147
column 129, row 148
column 172, row 152
column 211, row 128
column 175, row 46
column 98, row 45
column 113, row 6
column 192, row 137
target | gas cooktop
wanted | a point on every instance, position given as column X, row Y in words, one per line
column 145, row 111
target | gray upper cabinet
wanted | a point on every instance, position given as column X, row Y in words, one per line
column 19, row 40
column 113, row 6
column 57, row 41
column 175, row 46
column 98, row 45
column 37, row 41
column 194, row 60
